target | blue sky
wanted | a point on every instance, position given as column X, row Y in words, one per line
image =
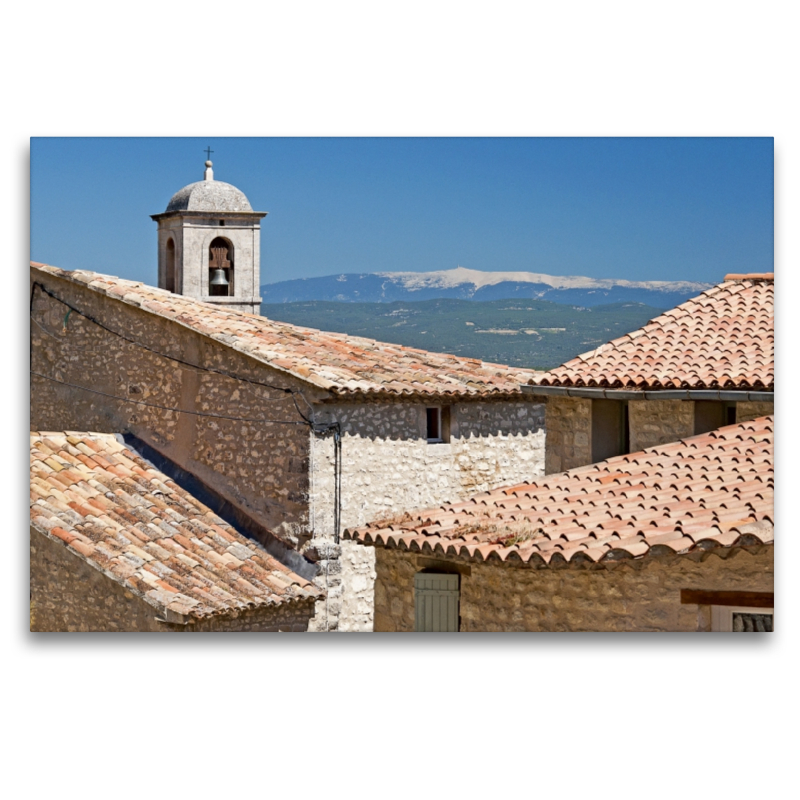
column 634, row 208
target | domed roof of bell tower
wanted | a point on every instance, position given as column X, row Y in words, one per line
column 209, row 195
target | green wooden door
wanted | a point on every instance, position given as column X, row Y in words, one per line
column 435, row 602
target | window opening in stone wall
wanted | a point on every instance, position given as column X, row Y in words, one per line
column 610, row 429
column 438, row 424
column 220, row 268
column 436, row 602
column 626, row 429
column 712, row 414
column 169, row 283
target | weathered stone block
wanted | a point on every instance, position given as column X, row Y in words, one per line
column 654, row 422
column 748, row 411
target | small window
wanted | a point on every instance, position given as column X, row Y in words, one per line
column 436, row 601
column 169, row 278
column 626, row 429
column 434, row 424
column 222, row 222
column 438, row 424
column 739, row 619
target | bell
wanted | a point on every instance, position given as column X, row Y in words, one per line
column 218, row 278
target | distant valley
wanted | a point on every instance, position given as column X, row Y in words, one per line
column 526, row 333
column 524, row 319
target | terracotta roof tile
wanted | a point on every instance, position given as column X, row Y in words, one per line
column 341, row 364
column 162, row 554
column 582, row 515
column 722, row 339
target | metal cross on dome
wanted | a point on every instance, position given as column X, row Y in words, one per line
column 209, row 151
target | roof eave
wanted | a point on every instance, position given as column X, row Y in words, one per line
column 592, row 392
column 220, row 214
column 332, row 390
column 658, row 552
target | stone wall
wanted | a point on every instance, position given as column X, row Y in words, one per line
column 651, row 423
column 654, row 422
column 623, row 596
column 266, row 469
column 388, row 467
column 68, row 594
column 569, row 433
column 257, row 459
column 747, row 411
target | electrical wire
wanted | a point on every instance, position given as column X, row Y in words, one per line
column 196, row 371
column 320, row 429
column 167, row 408
column 178, row 360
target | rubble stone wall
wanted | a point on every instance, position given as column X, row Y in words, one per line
column 747, row 411
column 259, row 458
column 388, row 467
column 247, row 442
column 654, row 422
column 68, row 594
column 569, row 433
column 651, row 423
column 623, row 596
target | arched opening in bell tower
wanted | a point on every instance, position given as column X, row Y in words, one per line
column 169, row 282
column 220, row 268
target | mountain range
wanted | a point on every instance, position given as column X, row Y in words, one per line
column 472, row 284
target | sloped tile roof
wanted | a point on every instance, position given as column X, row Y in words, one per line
column 713, row 490
column 722, row 339
column 125, row 518
column 341, row 364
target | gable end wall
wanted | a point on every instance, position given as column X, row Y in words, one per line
column 255, row 462
column 388, row 468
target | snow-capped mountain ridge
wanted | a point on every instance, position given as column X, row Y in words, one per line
column 451, row 278
column 473, row 284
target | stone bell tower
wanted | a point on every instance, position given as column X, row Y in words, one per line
column 209, row 245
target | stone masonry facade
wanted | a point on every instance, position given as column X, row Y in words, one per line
column 67, row 594
column 253, row 446
column 748, row 411
column 388, row 467
column 569, row 433
column 654, row 422
column 631, row 595
column 651, row 423
column 261, row 457
column 191, row 238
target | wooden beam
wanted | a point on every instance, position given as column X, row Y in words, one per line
column 745, row 599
